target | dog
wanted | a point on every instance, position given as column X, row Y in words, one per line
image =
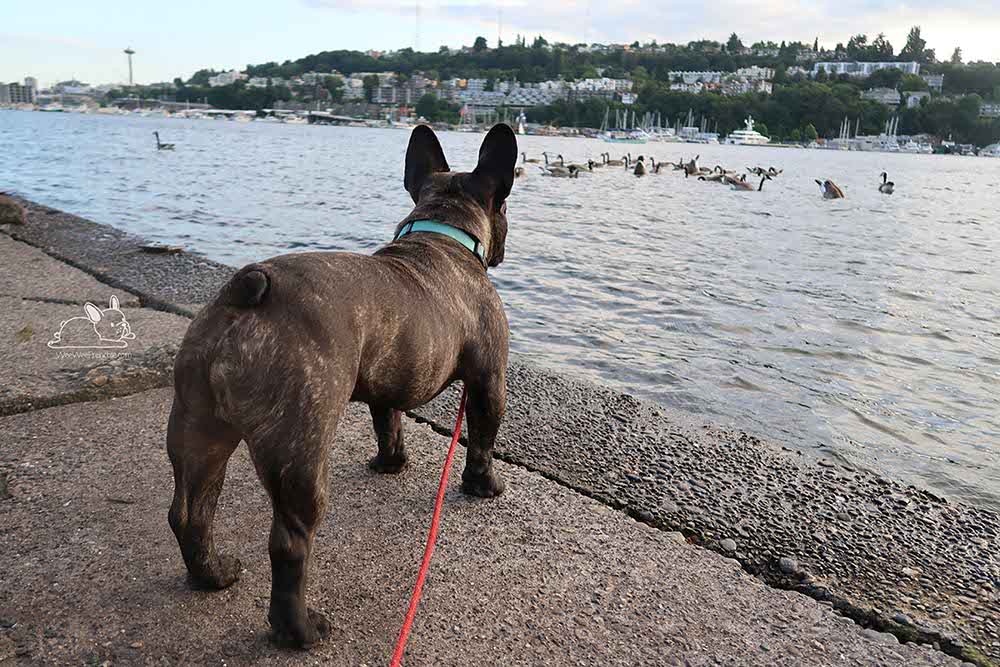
column 289, row 341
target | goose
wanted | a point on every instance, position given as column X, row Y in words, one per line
column 772, row 172
column 640, row 167
column 614, row 163
column 691, row 168
column 596, row 165
column 887, row 186
column 560, row 171
column 745, row 185
column 656, row 165
column 526, row 160
column 162, row 147
column 520, row 172
column 830, row 189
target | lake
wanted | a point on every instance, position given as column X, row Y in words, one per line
column 863, row 329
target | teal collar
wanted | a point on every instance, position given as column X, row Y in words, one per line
column 466, row 239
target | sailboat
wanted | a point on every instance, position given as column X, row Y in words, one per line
column 620, row 135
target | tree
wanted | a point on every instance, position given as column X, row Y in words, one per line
column 761, row 127
column 956, row 56
column 916, row 46
column 539, row 43
column 795, row 135
column 734, row 45
column 880, row 49
column 857, row 47
column 370, row 84
column 816, row 45
column 480, row 45
column 911, row 82
column 810, row 133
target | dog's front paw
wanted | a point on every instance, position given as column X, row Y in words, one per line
column 485, row 486
column 303, row 636
column 223, row 574
column 388, row 465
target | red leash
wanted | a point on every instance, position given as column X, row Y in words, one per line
column 404, row 632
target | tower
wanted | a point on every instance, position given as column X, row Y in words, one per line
column 129, row 53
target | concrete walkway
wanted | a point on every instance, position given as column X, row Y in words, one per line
column 90, row 572
column 542, row 575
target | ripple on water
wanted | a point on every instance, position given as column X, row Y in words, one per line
column 776, row 311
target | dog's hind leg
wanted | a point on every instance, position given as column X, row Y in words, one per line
column 199, row 449
column 391, row 457
column 291, row 460
column 484, row 408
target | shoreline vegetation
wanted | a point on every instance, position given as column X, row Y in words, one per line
column 800, row 103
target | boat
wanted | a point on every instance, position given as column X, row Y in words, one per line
column 993, row 150
column 747, row 137
column 615, row 135
column 521, row 120
column 295, row 120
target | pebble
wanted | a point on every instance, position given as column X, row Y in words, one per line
column 728, row 545
column 677, row 537
column 788, row 565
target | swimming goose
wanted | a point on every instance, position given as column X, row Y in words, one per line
column 520, row 172
column 614, row 163
column 560, row 171
column 830, row 189
column 162, row 147
column 691, row 168
column 526, row 160
column 745, row 186
column 640, row 167
column 887, row 186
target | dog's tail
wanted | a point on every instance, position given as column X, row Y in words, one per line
column 249, row 287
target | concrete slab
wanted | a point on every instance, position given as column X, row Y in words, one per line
column 29, row 273
column 34, row 375
column 896, row 556
column 115, row 257
column 541, row 576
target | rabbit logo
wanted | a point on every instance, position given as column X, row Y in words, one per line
column 99, row 329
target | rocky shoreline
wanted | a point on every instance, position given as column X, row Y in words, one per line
column 892, row 557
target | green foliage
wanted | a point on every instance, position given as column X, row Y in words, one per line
column 956, row 56
column 437, row 111
column 916, row 48
column 480, row 45
column 911, row 82
column 795, row 135
column 370, row 84
column 734, row 44
column 810, row 133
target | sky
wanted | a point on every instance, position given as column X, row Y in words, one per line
column 56, row 40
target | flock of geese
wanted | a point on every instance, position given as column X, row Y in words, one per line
column 557, row 167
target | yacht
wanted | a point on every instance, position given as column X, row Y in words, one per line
column 993, row 150
column 748, row 136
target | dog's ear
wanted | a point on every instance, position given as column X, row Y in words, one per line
column 497, row 158
column 423, row 158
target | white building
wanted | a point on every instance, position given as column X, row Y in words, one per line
column 226, row 78
column 860, row 69
column 914, row 97
column 934, row 81
column 696, row 77
column 887, row 96
column 755, row 72
column 989, row 111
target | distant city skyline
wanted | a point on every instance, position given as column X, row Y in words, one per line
column 60, row 40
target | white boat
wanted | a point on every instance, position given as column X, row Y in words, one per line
column 614, row 135
column 993, row 150
column 747, row 137
column 295, row 120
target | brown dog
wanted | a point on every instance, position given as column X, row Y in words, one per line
column 289, row 341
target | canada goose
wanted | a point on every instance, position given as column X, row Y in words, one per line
column 640, row 167
column 526, row 160
column 559, row 171
column 592, row 165
column 771, row 171
column 887, row 186
column 519, row 172
column 691, row 168
column 713, row 177
column 655, row 165
column 162, row 147
column 746, row 186
column 830, row 189
column 614, row 163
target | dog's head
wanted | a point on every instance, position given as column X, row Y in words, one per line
column 474, row 201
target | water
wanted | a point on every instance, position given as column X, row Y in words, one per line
column 864, row 329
